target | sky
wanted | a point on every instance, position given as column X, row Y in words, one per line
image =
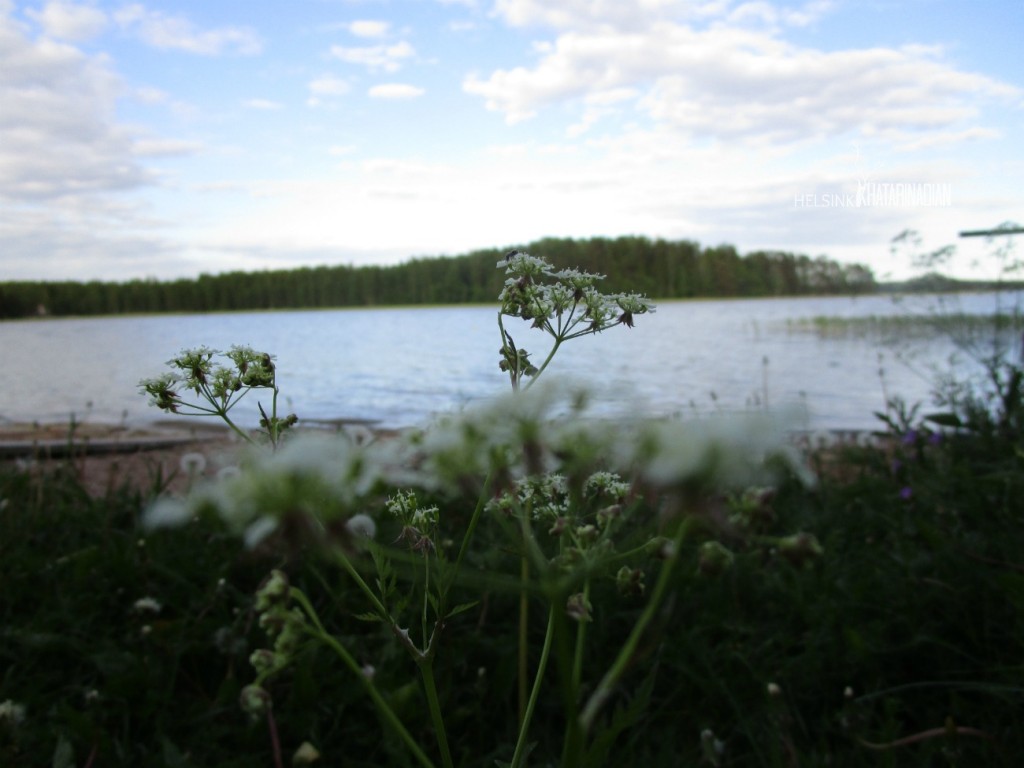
column 163, row 139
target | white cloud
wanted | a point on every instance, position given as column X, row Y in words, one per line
column 65, row 162
column 637, row 15
column 729, row 82
column 65, row 241
column 326, row 85
column 395, row 91
column 178, row 33
column 58, row 133
column 165, row 147
column 388, row 58
column 369, row 28
column 594, row 14
column 69, row 21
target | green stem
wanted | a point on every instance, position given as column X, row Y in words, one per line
column 241, row 433
column 427, row 672
column 581, row 635
column 519, row 755
column 524, row 646
column 572, row 742
column 378, row 606
column 551, row 354
column 426, row 594
column 382, row 706
column 622, row 661
column 480, row 504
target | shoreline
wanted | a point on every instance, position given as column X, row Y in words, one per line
column 61, row 439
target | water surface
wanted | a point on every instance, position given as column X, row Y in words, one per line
column 400, row 367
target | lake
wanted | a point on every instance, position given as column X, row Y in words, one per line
column 401, row 366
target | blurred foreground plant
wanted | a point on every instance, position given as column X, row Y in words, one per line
column 532, row 496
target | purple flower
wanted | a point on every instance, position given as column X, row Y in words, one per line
column 935, row 438
column 910, row 437
column 906, row 493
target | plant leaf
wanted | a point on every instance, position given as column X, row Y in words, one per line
column 462, row 608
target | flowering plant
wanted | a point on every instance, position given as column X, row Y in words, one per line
column 531, row 495
column 217, row 388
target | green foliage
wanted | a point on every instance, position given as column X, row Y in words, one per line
column 657, row 268
column 912, row 619
column 677, row 610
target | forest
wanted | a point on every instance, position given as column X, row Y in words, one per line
column 660, row 269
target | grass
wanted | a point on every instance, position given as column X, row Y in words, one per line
column 901, row 646
column 906, row 325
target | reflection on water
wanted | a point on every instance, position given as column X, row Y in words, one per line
column 399, row 367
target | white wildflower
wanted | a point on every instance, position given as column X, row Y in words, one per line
column 192, row 463
column 226, row 473
column 147, row 605
column 166, row 512
column 259, row 530
column 362, row 525
column 11, row 712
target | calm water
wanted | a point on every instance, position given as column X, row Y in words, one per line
column 399, row 367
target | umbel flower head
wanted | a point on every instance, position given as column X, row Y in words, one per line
column 565, row 303
column 549, row 429
column 194, row 370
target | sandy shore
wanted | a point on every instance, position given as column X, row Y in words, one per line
column 59, row 439
column 106, row 457
column 110, row 456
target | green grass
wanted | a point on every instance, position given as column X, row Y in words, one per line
column 906, row 325
column 912, row 621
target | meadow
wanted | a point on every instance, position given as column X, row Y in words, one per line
column 528, row 585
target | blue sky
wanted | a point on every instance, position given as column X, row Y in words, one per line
column 160, row 139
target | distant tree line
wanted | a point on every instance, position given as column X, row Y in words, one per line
column 661, row 269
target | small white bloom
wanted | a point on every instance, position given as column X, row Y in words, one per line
column 166, row 512
column 147, row 605
column 224, row 473
column 259, row 530
column 192, row 463
column 362, row 525
column 12, row 712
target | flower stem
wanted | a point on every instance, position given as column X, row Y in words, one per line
column 618, row 667
column 427, row 673
column 382, row 706
column 548, row 359
column 378, row 606
column 524, row 647
column 238, row 431
column 480, row 503
column 519, row 754
column 581, row 635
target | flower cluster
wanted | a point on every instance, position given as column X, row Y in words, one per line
column 216, row 387
column 564, row 303
column 534, row 290
column 419, row 523
column 319, row 484
column 545, row 434
column 284, row 625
